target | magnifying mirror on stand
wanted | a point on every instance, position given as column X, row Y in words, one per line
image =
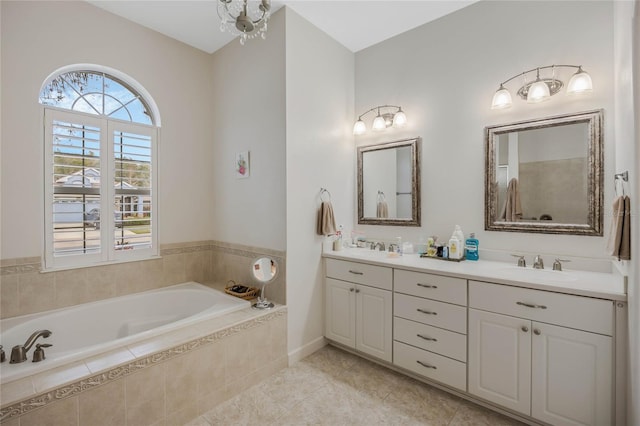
column 265, row 270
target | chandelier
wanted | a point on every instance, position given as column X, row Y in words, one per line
column 541, row 89
column 244, row 18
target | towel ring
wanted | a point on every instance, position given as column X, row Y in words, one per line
column 381, row 196
column 324, row 192
column 622, row 178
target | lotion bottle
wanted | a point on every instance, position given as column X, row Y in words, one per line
column 455, row 248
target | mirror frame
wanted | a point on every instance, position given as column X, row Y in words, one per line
column 595, row 176
column 414, row 143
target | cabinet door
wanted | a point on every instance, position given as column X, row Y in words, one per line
column 340, row 309
column 374, row 322
column 571, row 376
column 499, row 362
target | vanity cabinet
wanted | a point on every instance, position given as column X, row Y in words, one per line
column 359, row 307
column 543, row 354
column 430, row 326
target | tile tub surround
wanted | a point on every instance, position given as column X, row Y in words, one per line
column 168, row 379
column 24, row 289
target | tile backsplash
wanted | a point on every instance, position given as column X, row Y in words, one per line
column 25, row 289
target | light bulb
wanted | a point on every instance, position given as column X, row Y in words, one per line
column 379, row 124
column 399, row 119
column 538, row 92
column 501, row 99
column 580, row 82
column 359, row 128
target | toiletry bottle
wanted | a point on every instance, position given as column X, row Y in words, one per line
column 399, row 246
column 455, row 248
column 472, row 247
column 457, row 232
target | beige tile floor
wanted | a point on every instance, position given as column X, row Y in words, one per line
column 334, row 387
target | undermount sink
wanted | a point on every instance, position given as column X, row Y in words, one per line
column 536, row 274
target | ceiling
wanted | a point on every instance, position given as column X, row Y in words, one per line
column 356, row 24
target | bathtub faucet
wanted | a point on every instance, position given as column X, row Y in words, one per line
column 19, row 352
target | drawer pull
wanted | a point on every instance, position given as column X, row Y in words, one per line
column 356, row 272
column 426, row 285
column 431, row 339
column 424, row 364
column 531, row 305
column 426, row 312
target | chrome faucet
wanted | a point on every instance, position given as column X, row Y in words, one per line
column 538, row 263
column 19, row 352
column 379, row 245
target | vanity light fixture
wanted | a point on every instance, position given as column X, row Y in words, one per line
column 396, row 118
column 542, row 88
column 244, row 18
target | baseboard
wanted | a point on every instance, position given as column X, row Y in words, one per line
column 306, row 350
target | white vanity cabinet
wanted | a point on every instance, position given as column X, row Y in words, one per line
column 358, row 307
column 543, row 354
column 430, row 326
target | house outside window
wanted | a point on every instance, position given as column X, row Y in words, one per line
column 101, row 139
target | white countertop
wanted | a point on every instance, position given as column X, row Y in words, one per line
column 584, row 283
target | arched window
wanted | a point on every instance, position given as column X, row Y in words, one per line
column 100, row 169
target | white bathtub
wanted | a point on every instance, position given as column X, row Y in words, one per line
column 91, row 328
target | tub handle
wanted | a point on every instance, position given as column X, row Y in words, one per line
column 38, row 354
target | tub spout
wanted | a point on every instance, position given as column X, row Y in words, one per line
column 19, row 352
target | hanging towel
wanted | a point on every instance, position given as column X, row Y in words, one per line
column 512, row 210
column 620, row 233
column 326, row 223
column 382, row 210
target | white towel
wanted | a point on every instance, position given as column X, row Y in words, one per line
column 382, row 210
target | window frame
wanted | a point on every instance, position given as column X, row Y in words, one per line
column 108, row 253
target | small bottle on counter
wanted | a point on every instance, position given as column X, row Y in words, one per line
column 472, row 246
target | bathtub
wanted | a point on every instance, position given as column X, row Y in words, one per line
column 91, row 328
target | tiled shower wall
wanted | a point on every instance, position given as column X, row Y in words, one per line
column 24, row 289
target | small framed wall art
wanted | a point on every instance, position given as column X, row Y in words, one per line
column 242, row 165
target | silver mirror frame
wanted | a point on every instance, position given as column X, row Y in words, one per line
column 595, row 178
column 414, row 143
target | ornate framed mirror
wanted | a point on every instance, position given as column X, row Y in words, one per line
column 545, row 175
column 389, row 183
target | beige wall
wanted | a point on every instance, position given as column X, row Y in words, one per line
column 444, row 75
column 40, row 37
column 320, row 153
column 248, row 97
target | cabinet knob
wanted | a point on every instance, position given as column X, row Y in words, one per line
column 536, row 331
column 357, row 290
column 525, row 328
column 352, row 289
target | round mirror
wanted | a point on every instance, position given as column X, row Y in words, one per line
column 265, row 270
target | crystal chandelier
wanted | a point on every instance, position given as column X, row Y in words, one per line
column 244, row 18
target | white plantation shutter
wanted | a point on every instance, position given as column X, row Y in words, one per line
column 100, row 182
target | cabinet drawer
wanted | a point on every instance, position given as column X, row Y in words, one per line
column 579, row 312
column 361, row 273
column 430, row 365
column 431, row 312
column 437, row 287
column 433, row 339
